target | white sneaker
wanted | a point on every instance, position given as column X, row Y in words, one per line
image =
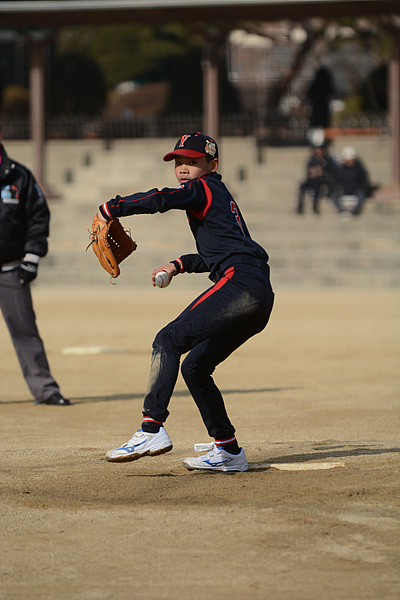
column 141, row 444
column 218, row 459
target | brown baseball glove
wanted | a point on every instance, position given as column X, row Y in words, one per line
column 111, row 244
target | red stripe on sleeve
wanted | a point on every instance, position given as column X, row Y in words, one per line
column 200, row 214
column 105, row 209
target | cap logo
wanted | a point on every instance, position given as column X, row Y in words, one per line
column 210, row 148
column 183, row 140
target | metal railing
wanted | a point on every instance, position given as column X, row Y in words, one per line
column 289, row 129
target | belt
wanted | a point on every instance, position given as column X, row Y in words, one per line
column 240, row 260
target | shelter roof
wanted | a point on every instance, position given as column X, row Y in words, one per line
column 45, row 13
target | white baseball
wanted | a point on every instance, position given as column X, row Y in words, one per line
column 161, row 279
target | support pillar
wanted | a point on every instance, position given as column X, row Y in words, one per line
column 37, row 52
column 394, row 109
column 37, row 112
column 210, row 68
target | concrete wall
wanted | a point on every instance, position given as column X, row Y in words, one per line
column 304, row 250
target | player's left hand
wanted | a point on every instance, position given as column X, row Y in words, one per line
column 111, row 243
column 100, row 216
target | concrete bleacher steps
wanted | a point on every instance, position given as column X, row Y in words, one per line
column 308, row 250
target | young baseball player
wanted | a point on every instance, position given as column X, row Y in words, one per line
column 221, row 319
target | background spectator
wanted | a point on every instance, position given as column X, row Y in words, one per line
column 319, row 94
column 319, row 178
column 352, row 184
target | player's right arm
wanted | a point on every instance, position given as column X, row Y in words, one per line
column 190, row 263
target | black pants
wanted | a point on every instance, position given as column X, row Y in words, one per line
column 313, row 187
column 214, row 325
column 359, row 200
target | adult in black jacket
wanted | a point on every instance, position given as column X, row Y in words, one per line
column 319, row 178
column 319, row 94
column 24, row 228
column 352, row 184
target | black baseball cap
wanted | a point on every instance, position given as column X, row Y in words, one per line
column 193, row 145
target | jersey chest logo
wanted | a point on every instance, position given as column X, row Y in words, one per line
column 9, row 194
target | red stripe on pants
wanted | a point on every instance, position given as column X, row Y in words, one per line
column 227, row 275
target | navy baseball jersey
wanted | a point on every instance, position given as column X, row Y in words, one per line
column 214, row 217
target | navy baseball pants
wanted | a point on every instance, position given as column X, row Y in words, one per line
column 212, row 327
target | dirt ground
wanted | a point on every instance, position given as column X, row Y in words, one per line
column 316, row 396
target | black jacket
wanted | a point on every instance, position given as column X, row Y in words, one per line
column 214, row 218
column 24, row 214
column 352, row 178
column 321, row 168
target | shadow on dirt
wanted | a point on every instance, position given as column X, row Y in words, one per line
column 140, row 396
column 331, row 453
